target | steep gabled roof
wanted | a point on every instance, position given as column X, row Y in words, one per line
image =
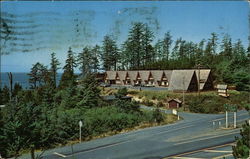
column 177, row 100
column 144, row 75
column 111, row 75
column 122, row 74
column 168, row 74
column 180, row 79
column 132, row 75
column 204, row 74
column 157, row 75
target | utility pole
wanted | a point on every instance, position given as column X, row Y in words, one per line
column 199, row 79
column 235, row 119
column 80, row 131
column 226, row 120
column 183, row 93
column 11, row 83
column 0, row 68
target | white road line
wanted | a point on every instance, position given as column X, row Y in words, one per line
column 99, row 148
column 220, row 157
column 200, row 150
column 58, row 154
column 173, row 130
column 130, row 140
column 217, row 151
column 228, row 118
column 205, row 138
column 187, row 158
column 206, row 135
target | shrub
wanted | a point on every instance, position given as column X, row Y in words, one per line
column 160, row 104
column 121, row 92
column 206, row 104
column 157, row 116
column 147, row 102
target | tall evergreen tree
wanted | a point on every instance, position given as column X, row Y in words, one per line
column 5, row 95
column 213, row 42
column 36, row 75
column 68, row 77
column 96, row 53
column 84, row 61
column 54, row 67
column 200, row 50
column 158, row 50
column 175, row 51
column 167, row 41
column 89, row 94
column 239, row 51
column 134, row 45
column 148, row 51
column 226, row 47
column 110, row 53
column 125, row 56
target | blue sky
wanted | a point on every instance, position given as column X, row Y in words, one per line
column 44, row 27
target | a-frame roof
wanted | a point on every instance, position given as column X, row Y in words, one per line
column 168, row 74
column 133, row 75
column 111, row 75
column 122, row 74
column 204, row 74
column 144, row 75
column 157, row 74
column 180, row 79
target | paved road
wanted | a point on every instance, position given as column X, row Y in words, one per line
column 194, row 133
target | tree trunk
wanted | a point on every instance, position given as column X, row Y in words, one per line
column 32, row 152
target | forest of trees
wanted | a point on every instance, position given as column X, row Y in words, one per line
column 230, row 62
column 47, row 114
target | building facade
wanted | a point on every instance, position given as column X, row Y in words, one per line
column 175, row 80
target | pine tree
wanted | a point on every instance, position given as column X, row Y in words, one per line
column 138, row 46
column 17, row 88
column 5, row 95
column 89, row 94
column 239, row 52
column 84, row 61
column 175, row 51
column 110, row 53
column 241, row 150
column 213, row 42
column 167, row 41
column 54, row 66
column 36, row 75
column 68, row 77
column 158, row 50
column 148, row 51
column 226, row 47
column 96, row 53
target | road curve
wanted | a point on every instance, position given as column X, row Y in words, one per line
column 196, row 131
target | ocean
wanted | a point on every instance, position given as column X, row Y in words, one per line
column 21, row 78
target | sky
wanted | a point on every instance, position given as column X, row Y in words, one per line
column 39, row 28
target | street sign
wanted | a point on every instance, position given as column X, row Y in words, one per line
column 174, row 111
column 230, row 107
column 80, row 123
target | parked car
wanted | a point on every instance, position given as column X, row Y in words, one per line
column 105, row 85
column 148, row 85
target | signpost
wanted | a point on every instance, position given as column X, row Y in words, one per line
column 230, row 108
column 80, row 131
column 174, row 111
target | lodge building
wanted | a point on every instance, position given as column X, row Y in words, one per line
column 175, row 80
